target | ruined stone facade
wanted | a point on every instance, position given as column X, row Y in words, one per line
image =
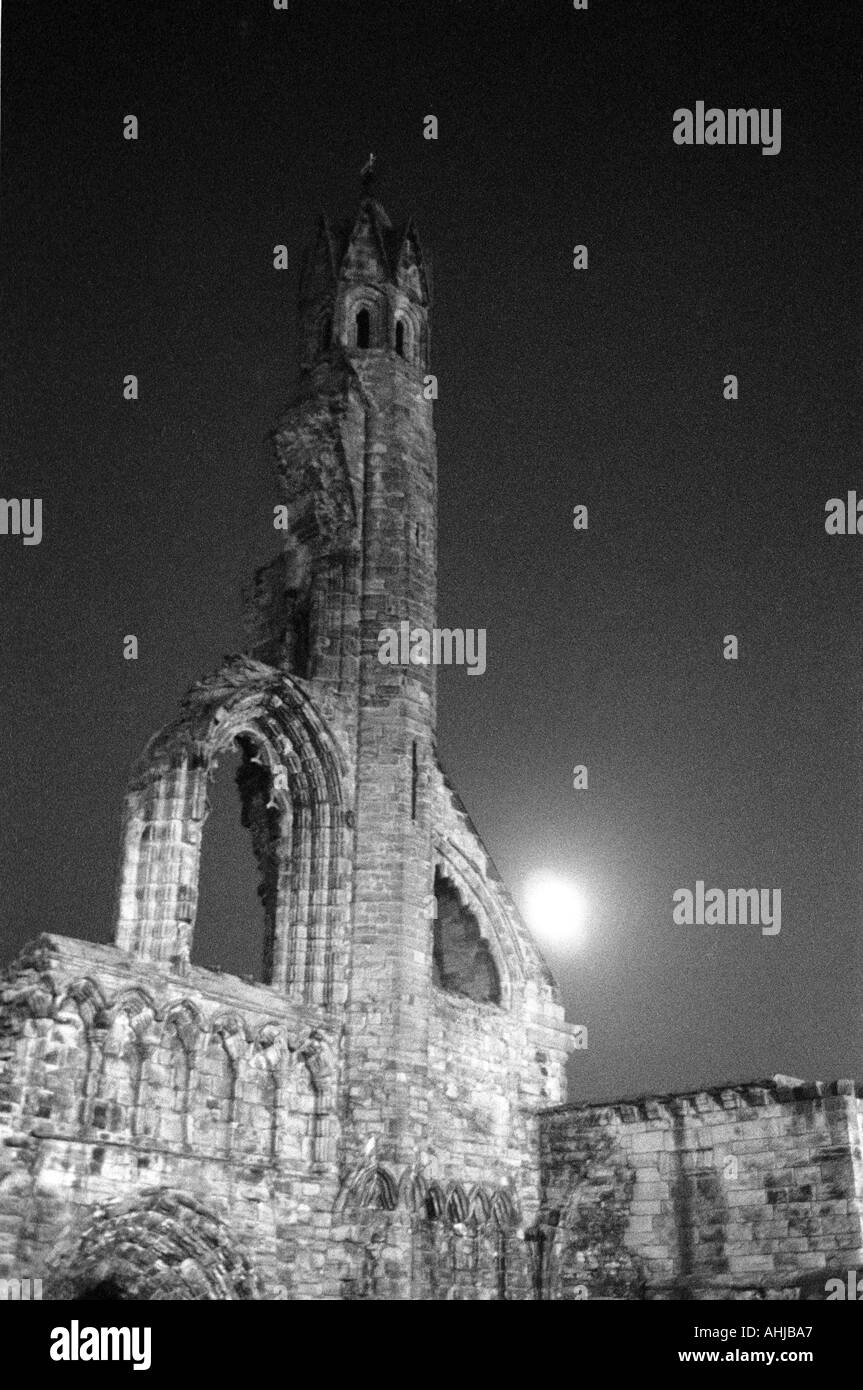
column 380, row 1115
column 364, row 1121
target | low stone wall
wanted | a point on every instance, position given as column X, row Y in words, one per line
column 751, row 1191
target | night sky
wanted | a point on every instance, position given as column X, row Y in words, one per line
column 557, row 387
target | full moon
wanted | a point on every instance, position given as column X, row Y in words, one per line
column 556, row 909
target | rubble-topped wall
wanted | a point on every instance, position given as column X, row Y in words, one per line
column 751, row 1191
column 118, row 1077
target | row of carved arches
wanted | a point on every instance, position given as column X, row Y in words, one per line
column 171, row 1077
column 415, row 1237
column 376, row 1187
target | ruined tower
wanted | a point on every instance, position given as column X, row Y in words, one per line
column 378, row 1089
column 357, row 459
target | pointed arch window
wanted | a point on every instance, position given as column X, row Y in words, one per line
column 236, row 919
column 400, row 337
column 363, row 328
column 461, row 960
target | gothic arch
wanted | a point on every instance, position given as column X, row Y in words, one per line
column 87, row 997
column 261, row 1093
column 435, row 1205
column 315, row 1049
column 128, row 1042
column 479, row 1204
column 457, row 1206
column 513, row 952
column 66, row 1063
column 222, row 1058
column 176, row 1058
column 374, row 1222
column 295, row 805
column 503, row 1209
column 413, row 1192
column 452, row 868
column 407, row 349
column 368, row 1187
column 185, row 1018
column 364, row 300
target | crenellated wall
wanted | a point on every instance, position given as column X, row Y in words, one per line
column 748, row 1191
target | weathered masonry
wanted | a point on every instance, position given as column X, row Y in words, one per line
column 738, row 1192
column 380, row 1115
column 363, row 1122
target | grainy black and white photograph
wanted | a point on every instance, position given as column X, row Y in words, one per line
column 431, row 662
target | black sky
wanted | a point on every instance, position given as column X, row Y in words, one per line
column 556, row 387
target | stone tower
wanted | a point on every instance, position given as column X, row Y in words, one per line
column 357, row 459
column 362, row 1122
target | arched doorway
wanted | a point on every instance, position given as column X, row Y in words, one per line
column 161, row 1244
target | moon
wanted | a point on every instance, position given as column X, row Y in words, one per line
column 556, row 909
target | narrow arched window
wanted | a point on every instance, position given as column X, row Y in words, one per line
column 326, row 333
column 400, row 338
column 363, row 328
column 461, row 960
column 237, row 891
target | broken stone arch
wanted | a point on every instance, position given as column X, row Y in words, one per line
column 292, row 780
column 159, row 1244
column 453, row 869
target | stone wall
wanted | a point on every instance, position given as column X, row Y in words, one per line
column 119, row 1081
column 748, row 1191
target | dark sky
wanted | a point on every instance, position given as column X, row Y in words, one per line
column 556, row 387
